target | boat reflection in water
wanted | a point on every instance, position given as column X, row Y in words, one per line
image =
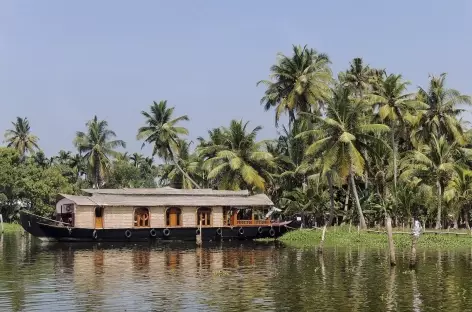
column 164, row 277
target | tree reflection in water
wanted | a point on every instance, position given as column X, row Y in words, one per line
column 227, row 277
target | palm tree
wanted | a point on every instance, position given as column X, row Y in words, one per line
column 342, row 136
column 20, row 137
column 299, row 83
column 440, row 118
column 162, row 132
column 357, row 77
column 433, row 163
column 459, row 193
column 97, row 146
column 136, row 158
column 188, row 162
column 238, row 162
column 393, row 101
column 40, row 159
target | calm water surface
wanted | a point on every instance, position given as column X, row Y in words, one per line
column 231, row 277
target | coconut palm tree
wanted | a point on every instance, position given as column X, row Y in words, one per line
column 20, row 137
column 440, row 118
column 97, row 146
column 342, row 136
column 171, row 175
column 459, row 193
column 161, row 131
column 238, row 162
column 433, row 164
column 137, row 158
column 298, row 83
column 393, row 101
column 357, row 77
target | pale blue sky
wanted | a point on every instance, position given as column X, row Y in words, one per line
column 62, row 62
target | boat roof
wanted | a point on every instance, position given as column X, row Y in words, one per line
column 167, row 197
column 165, row 191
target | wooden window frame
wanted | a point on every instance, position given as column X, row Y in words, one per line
column 149, row 218
column 211, row 216
column 181, row 217
column 95, row 216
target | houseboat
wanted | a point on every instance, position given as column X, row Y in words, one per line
column 157, row 214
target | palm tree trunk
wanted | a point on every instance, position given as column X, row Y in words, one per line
column 438, row 217
column 346, row 202
column 466, row 218
column 362, row 223
column 331, row 197
column 176, row 162
column 394, row 152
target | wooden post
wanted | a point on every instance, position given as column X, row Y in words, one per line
column 199, row 236
column 1, row 223
column 415, row 234
column 391, row 246
column 320, row 248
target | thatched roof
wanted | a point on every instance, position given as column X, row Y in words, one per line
column 144, row 199
column 164, row 191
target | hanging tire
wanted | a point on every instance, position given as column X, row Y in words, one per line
column 260, row 230
column 219, row 231
column 127, row 233
column 153, row 233
column 94, row 234
column 166, row 232
column 241, row 231
column 272, row 232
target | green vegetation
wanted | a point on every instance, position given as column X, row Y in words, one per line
column 357, row 147
column 11, row 228
column 342, row 237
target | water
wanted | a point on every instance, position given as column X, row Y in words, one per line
column 231, row 277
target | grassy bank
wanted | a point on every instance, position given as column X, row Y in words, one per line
column 11, row 228
column 339, row 236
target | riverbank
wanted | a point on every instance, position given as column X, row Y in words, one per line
column 342, row 237
column 11, row 228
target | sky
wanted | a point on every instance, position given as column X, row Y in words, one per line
column 62, row 62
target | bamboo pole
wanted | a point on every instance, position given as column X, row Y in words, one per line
column 320, row 248
column 391, row 246
column 415, row 234
column 199, row 236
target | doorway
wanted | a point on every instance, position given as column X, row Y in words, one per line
column 99, row 217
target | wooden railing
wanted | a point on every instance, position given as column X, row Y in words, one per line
column 252, row 222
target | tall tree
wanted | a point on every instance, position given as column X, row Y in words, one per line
column 298, row 83
column 433, row 164
column 441, row 116
column 341, row 137
column 97, row 146
column 21, row 138
column 239, row 161
column 162, row 132
column 357, row 77
column 393, row 101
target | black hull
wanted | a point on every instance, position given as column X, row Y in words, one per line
column 42, row 229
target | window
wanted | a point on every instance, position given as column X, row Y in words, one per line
column 141, row 217
column 204, row 215
column 174, row 217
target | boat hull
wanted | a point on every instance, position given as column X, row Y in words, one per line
column 36, row 226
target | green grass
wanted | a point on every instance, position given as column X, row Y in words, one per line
column 340, row 236
column 11, row 228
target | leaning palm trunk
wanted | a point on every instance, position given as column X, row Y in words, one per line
column 176, row 162
column 394, row 153
column 438, row 217
column 362, row 223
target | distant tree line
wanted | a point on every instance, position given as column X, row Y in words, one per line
column 357, row 147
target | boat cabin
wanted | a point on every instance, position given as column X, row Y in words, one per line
column 162, row 208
